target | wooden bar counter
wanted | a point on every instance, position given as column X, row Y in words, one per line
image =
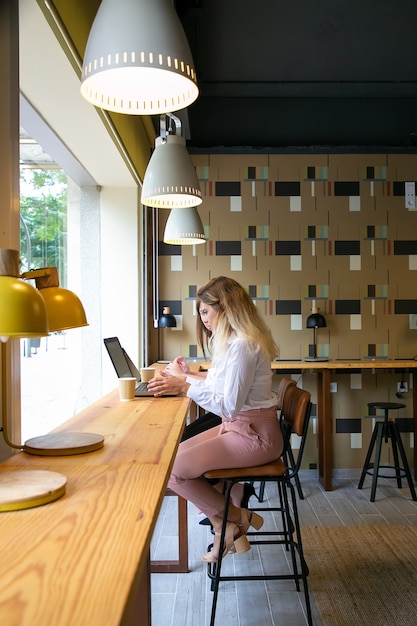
column 84, row 559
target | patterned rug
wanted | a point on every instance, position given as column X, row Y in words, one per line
column 363, row 575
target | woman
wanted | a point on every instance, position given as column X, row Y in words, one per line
column 238, row 387
column 239, row 495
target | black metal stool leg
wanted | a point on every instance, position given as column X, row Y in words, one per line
column 261, row 494
column 397, row 467
column 216, row 567
column 380, row 428
column 386, row 427
column 397, row 437
column 296, row 477
column 290, row 544
column 366, row 465
column 303, row 565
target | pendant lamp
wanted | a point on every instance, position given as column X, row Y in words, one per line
column 170, row 180
column 184, row 227
column 137, row 59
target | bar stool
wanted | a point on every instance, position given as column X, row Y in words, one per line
column 297, row 412
column 386, row 430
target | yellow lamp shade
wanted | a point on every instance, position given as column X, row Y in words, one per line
column 22, row 309
column 64, row 309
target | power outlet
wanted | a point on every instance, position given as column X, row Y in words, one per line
column 333, row 387
column 402, row 387
column 410, row 195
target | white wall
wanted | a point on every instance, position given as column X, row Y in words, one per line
column 120, row 274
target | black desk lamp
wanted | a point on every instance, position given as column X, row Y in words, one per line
column 314, row 321
column 167, row 320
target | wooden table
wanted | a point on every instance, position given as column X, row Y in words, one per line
column 323, row 370
column 84, row 559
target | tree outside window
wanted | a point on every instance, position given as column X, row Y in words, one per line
column 50, row 386
column 43, row 210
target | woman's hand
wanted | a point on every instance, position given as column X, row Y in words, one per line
column 165, row 383
column 175, row 369
column 181, row 361
column 179, row 367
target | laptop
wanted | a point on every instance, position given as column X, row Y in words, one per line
column 125, row 367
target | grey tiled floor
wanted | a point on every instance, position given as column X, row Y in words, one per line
column 186, row 598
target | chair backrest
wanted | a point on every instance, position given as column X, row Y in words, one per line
column 285, row 383
column 295, row 408
column 295, row 416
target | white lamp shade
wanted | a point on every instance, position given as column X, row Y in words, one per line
column 137, row 59
column 170, row 179
column 184, row 227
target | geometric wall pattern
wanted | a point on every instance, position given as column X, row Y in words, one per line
column 299, row 231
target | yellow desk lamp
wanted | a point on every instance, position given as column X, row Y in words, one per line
column 22, row 314
column 64, row 311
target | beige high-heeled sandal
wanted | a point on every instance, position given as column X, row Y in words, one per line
column 249, row 518
column 235, row 542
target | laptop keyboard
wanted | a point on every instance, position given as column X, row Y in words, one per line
column 141, row 387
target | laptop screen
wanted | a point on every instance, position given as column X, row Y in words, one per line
column 118, row 357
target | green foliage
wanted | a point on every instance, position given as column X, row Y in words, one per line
column 43, row 210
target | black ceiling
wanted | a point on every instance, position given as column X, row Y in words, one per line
column 275, row 74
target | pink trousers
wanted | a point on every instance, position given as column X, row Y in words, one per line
column 252, row 438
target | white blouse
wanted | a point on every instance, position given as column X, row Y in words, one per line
column 241, row 381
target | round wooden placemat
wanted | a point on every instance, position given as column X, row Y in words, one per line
column 24, row 489
column 63, row 444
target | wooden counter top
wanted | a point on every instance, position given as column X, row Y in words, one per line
column 80, row 560
column 333, row 364
column 359, row 364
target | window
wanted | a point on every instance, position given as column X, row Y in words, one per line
column 50, row 366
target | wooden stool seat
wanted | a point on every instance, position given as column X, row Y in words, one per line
column 276, row 468
column 386, row 406
column 386, row 430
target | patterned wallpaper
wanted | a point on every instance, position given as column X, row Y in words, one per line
column 333, row 231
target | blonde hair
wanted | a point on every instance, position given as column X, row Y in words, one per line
column 236, row 313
